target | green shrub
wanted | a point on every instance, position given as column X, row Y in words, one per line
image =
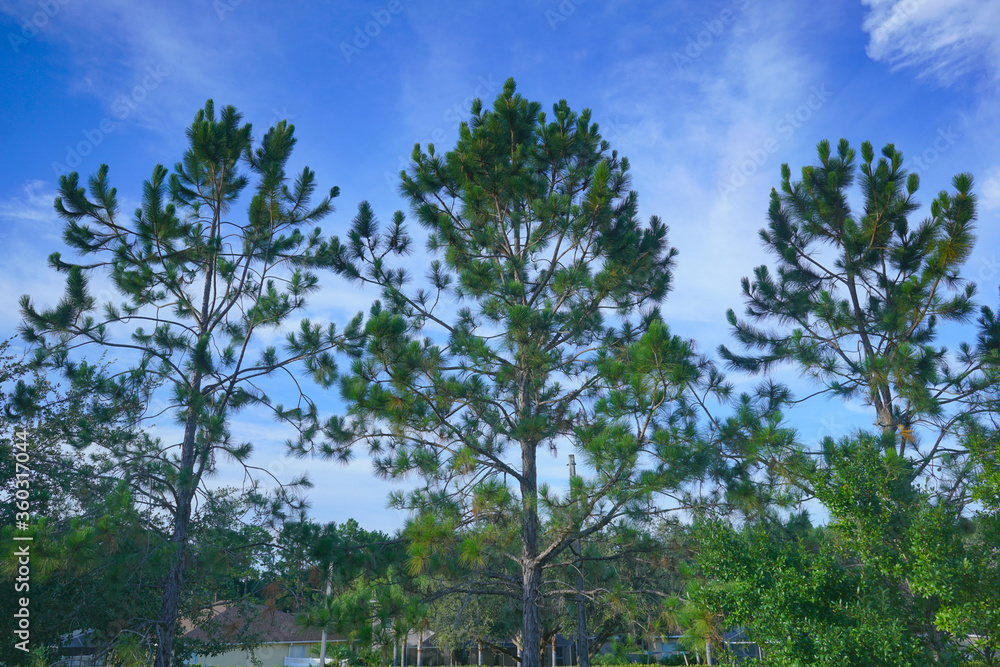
column 672, row 660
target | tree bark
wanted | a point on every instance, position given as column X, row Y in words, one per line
column 531, row 635
column 166, row 628
column 531, row 629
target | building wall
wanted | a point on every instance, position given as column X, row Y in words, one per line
column 469, row 655
column 269, row 655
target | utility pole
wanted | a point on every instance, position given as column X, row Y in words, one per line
column 582, row 639
column 322, row 641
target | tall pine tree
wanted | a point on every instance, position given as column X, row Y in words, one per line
column 856, row 303
column 857, row 298
column 199, row 286
column 517, row 344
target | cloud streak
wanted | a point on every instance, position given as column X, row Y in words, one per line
column 946, row 40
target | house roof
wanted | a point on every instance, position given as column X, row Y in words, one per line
column 265, row 625
column 425, row 637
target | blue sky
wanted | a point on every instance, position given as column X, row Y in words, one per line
column 707, row 99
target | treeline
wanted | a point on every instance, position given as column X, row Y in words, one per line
column 534, row 327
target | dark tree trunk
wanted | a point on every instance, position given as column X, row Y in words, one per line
column 174, row 584
column 166, row 627
column 531, row 630
column 531, row 633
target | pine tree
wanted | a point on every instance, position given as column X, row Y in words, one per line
column 199, row 287
column 857, row 299
column 856, row 303
column 517, row 344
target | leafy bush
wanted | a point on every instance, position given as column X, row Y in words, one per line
column 671, row 660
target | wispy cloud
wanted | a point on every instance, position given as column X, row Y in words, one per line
column 33, row 205
column 945, row 39
column 990, row 197
column 738, row 108
column 113, row 45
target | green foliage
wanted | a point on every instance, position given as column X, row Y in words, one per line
column 801, row 602
column 372, row 601
column 858, row 297
column 856, row 300
column 92, row 555
column 621, row 653
column 673, row 660
column 519, row 342
column 892, row 571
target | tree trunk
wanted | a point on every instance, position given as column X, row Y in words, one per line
column 187, row 483
column 531, row 629
column 166, row 627
column 531, row 639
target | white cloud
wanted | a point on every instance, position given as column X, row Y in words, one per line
column 990, row 197
column 29, row 230
column 744, row 104
column 151, row 65
column 944, row 39
column 33, row 206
